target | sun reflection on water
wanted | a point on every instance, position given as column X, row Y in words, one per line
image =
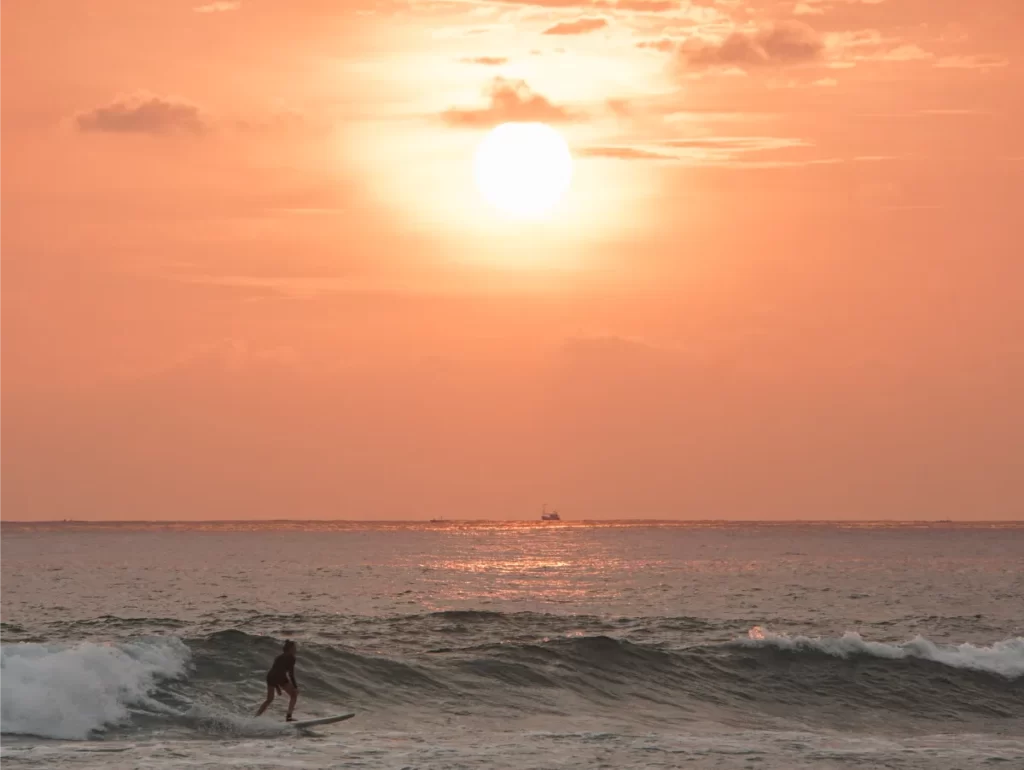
column 532, row 565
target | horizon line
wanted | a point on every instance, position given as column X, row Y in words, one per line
column 539, row 521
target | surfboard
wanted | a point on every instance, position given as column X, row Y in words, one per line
column 321, row 721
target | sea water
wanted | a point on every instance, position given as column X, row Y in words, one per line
column 515, row 645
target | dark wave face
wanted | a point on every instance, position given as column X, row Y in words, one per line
column 503, row 666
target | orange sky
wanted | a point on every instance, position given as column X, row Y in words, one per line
column 246, row 275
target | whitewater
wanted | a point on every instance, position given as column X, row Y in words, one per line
column 515, row 645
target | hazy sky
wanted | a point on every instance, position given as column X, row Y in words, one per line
column 246, row 273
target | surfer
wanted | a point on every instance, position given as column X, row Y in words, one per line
column 282, row 677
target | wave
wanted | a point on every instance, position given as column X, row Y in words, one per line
column 1005, row 658
column 71, row 691
column 213, row 682
column 747, row 681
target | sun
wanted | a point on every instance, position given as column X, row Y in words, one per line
column 523, row 169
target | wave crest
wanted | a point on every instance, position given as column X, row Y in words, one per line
column 1005, row 658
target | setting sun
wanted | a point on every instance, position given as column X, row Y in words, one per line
column 523, row 169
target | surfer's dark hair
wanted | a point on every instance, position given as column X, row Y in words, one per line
column 288, row 643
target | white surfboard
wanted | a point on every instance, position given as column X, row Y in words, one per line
column 321, row 721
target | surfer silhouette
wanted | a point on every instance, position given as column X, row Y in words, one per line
column 282, row 677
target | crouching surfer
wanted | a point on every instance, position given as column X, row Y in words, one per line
column 282, row 677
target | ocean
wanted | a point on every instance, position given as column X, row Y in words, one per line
column 515, row 644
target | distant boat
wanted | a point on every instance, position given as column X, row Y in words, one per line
column 546, row 515
column 436, row 521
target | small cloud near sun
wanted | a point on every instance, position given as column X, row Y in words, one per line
column 636, row 6
column 641, row 6
column 487, row 61
column 579, row 26
column 665, row 45
column 788, row 42
column 622, row 153
column 144, row 113
column 511, row 101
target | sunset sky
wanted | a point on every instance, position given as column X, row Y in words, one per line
column 247, row 273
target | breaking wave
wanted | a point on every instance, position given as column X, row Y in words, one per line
column 73, row 690
column 213, row 682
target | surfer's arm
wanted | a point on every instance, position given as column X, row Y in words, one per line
column 291, row 673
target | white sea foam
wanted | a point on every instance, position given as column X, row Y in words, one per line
column 217, row 721
column 1005, row 658
column 69, row 691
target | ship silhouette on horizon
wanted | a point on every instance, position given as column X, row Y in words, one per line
column 546, row 515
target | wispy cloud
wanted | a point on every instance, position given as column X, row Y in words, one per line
column 577, row 27
column 953, row 111
column 622, row 153
column 717, row 150
column 820, row 7
column 487, row 61
column 630, row 6
column 737, row 143
column 846, row 49
column 641, row 6
column 976, row 62
column 219, row 6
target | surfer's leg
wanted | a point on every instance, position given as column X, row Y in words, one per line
column 293, row 695
column 268, row 701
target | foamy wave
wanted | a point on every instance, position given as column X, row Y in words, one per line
column 69, row 691
column 1005, row 658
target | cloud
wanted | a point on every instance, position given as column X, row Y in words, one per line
column 803, row 9
column 975, row 62
column 622, row 153
column 905, row 52
column 219, row 6
column 641, row 6
column 953, row 111
column 845, row 49
column 144, row 113
column 510, row 101
column 663, row 44
column 818, row 7
column 487, row 61
column 580, row 26
column 636, row 6
column 785, row 43
column 547, row 3
column 737, row 143
column 620, row 107
column 705, row 151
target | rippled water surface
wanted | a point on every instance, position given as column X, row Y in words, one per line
column 635, row 644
